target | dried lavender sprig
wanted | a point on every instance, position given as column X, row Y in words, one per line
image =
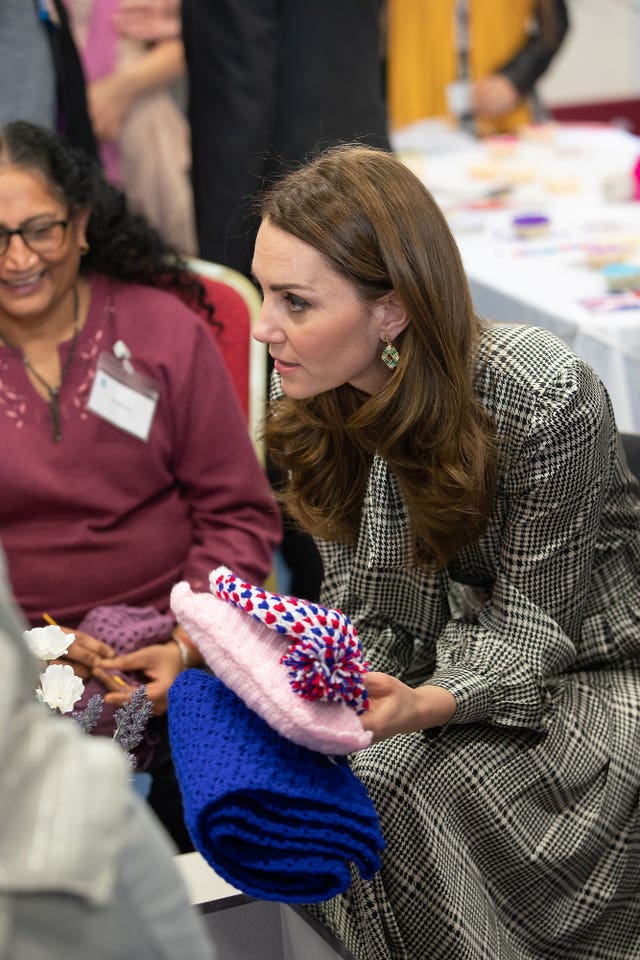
column 131, row 719
column 88, row 718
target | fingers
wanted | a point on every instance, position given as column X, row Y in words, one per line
column 494, row 95
column 146, row 20
column 79, row 669
column 156, row 692
column 113, row 682
column 137, row 660
column 86, row 644
column 378, row 684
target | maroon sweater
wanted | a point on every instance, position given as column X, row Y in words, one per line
column 103, row 517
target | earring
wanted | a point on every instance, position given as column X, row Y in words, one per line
column 390, row 355
column 84, row 248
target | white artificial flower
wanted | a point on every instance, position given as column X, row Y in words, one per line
column 61, row 688
column 48, row 643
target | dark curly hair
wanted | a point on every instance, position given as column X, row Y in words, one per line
column 122, row 245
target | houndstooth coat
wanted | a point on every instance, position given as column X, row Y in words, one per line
column 513, row 833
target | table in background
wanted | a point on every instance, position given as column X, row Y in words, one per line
column 558, row 170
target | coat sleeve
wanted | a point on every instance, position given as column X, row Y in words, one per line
column 503, row 663
column 234, row 517
column 533, row 59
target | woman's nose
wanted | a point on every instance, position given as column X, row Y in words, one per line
column 18, row 253
column 266, row 329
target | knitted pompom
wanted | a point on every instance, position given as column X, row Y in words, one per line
column 325, row 667
column 325, row 660
column 247, row 656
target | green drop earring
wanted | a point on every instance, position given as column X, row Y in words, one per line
column 390, row 355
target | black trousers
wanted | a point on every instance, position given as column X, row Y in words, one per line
column 164, row 797
column 272, row 82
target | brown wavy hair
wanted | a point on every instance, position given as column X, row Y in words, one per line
column 376, row 225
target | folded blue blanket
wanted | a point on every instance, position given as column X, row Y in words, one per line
column 277, row 821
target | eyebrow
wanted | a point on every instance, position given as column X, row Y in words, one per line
column 278, row 287
column 37, row 216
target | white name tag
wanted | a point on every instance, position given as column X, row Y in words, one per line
column 459, row 98
column 123, row 398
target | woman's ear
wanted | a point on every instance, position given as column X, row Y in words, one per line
column 80, row 221
column 392, row 314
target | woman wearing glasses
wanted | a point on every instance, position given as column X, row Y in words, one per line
column 114, row 482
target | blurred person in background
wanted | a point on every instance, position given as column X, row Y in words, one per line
column 41, row 78
column 270, row 83
column 133, row 60
column 475, row 61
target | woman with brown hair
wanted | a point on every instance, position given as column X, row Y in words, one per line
column 475, row 62
column 467, row 489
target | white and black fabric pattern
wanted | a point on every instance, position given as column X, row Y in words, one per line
column 513, row 833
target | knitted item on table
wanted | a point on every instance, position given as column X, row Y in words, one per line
column 277, row 821
column 246, row 655
column 125, row 629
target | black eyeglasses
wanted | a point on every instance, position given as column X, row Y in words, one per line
column 43, row 237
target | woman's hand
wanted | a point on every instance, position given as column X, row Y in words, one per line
column 160, row 662
column 85, row 653
column 148, row 19
column 397, row 708
column 494, row 96
column 110, row 98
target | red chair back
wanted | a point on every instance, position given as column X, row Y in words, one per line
column 237, row 304
column 235, row 337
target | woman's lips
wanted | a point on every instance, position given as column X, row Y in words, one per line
column 23, row 286
column 283, row 367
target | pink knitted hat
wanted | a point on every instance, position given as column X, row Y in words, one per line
column 297, row 665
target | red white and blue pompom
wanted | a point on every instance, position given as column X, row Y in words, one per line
column 325, row 660
column 325, row 667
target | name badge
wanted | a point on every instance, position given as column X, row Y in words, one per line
column 123, row 397
column 459, row 101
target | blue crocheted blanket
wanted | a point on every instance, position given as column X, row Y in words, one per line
column 277, row 821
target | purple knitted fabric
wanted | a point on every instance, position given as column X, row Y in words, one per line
column 125, row 629
column 274, row 819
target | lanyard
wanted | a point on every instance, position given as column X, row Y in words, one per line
column 462, row 39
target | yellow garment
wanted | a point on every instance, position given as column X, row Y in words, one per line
column 421, row 54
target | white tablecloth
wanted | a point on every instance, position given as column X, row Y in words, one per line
column 544, row 281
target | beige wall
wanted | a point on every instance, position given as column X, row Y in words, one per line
column 600, row 58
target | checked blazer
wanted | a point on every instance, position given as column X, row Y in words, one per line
column 513, row 833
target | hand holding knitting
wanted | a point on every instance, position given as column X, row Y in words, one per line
column 396, row 708
column 85, row 653
column 297, row 665
column 160, row 662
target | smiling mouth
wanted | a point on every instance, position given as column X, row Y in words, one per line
column 24, row 281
